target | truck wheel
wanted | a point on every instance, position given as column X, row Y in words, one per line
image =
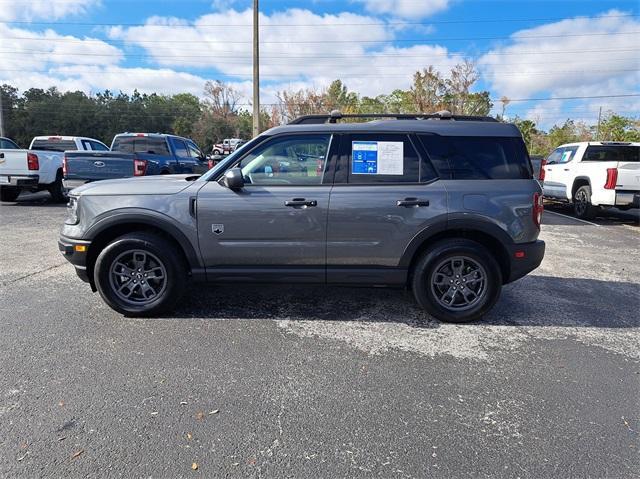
column 56, row 189
column 582, row 206
column 139, row 274
column 457, row 281
column 9, row 193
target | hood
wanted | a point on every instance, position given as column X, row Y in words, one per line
column 143, row 185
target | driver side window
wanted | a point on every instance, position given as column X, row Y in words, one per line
column 293, row 160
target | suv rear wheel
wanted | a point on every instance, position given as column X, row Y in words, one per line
column 139, row 274
column 457, row 281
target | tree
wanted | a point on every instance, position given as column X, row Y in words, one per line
column 221, row 99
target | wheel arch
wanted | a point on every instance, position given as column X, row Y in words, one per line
column 494, row 239
column 577, row 183
column 108, row 229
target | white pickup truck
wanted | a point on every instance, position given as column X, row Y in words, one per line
column 39, row 167
column 593, row 174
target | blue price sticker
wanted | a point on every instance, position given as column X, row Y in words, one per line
column 364, row 158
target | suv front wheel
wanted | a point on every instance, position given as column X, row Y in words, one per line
column 139, row 274
column 457, row 281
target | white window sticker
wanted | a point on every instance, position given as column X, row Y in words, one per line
column 377, row 158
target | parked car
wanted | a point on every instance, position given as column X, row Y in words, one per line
column 227, row 146
column 39, row 167
column 135, row 154
column 445, row 205
column 592, row 175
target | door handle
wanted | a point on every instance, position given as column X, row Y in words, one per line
column 300, row 203
column 1, row 155
column 412, row 202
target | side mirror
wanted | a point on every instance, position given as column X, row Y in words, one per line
column 233, row 179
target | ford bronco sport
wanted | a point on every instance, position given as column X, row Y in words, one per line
column 444, row 205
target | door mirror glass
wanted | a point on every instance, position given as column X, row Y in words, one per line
column 233, row 179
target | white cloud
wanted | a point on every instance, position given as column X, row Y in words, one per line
column 45, row 9
column 410, row 9
column 528, row 66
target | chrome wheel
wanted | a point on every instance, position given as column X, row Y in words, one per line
column 137, row 277
column 459, row 283
column 581, row 202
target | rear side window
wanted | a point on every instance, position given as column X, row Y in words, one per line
column 97, row 146
column 564, row 154
column 478, row 158
column 54, row 144
column 6, row 144
column 141, row 144
column 380, row 158
column 180, row 148
column 612, row 153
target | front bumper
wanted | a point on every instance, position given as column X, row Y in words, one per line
column 75, row 251
column 19, row 180
column 524, row 258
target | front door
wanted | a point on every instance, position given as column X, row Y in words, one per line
column 384, row 194
column 273, row 229
column 558, row 178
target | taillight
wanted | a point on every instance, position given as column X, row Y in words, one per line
column 32, row 161
column 538, row 208
column 139, row 167
column 612, row 179
column 65, row 167
column 543, row 163
column 210, row 163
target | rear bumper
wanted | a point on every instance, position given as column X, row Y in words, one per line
column 19, row 180
column 524, row 258
column 628, row 198
column 72, row 250
column 71, row 184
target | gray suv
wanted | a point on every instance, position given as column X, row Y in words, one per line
column 444, row 205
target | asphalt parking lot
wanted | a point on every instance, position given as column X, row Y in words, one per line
column 272, row 381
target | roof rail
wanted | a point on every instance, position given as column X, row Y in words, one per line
column 336, row 115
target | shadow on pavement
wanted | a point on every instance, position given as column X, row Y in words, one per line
column 606, row 217
column 531, row 301
column 41, row 198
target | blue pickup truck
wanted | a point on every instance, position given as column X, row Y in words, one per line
column 134, row 154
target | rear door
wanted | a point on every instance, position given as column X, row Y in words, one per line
column 184, row 162
column 384, row 194
column 275, row 227
column 559, row 176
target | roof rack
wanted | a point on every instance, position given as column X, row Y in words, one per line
column 336, row 115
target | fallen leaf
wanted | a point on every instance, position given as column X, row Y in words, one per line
column 24, row 445
column 252, row 461
column 183, row 403
column 61, row 404
column 77, row 453
column 235, row 463
column 194, row 466
column 154, row 413
column 215, row 411
column 25, row 455
column 62, row 438
column 189, row 436
column 199, row 415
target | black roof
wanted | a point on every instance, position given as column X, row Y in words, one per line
column 443, row 127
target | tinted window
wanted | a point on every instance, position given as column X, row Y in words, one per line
column 612, row 153
column 6, row 144
column 180, row 148
column 380, row 158
column 476, row 158
column 293, row 160
column 141, row 144
column 193, row 150
column 54, row 144
column 564, row 154
column 97, row 146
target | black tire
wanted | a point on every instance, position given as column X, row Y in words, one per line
column 9, row 193
column 56, row 189
column 582, row 207
column 429, row 269
column 109, row 278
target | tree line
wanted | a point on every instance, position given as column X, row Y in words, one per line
column 220, row 114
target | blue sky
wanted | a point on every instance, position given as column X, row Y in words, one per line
column 523, row 49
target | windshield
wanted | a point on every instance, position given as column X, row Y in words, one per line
column 232, row 158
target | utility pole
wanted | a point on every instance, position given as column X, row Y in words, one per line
column 256, row 71
column 1, row 116
column 598, row 128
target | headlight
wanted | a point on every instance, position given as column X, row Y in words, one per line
column 72, row 211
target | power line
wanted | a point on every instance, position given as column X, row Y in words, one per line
column 325, row 24
column 323, row 41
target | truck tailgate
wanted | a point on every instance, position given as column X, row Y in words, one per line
column 100, row 165
column 628, row 176
column 13, row 162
